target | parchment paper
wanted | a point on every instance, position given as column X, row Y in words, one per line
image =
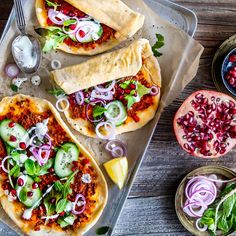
column 179, row 64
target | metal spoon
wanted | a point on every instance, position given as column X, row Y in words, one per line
column 31, row 53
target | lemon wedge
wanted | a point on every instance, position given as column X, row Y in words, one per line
column 117, row 169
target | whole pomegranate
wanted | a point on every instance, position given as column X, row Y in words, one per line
column 205, row 124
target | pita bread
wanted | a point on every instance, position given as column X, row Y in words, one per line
column 111, row 66
column 15, row 209
column 113, row 13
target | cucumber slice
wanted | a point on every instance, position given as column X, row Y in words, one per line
column 68, row 153
column 116, row 112
column 37, row 194
column 17, row 131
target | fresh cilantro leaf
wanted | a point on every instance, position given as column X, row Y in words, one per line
column 98, row 111
column 69, row 22
column 61, row 205
column 103, row 230
column 52, row 4
column 159, row 44
column 142, row 90
column 23, row 194
column 57, row 92
column 130, row 100
column 14, row 88
column 58, row 186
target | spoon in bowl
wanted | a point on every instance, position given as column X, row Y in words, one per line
column 26, row 49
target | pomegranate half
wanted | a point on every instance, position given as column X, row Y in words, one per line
column 205, row 124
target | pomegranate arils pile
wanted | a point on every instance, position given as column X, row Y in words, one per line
column 231, row 74
column 208, row 127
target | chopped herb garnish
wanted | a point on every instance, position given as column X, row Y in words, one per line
column 14, row 88
column 98, row 111
column 57, row 92
column 52, row 4
column 130, row 100
column 61, row 205
column 69, row 22
column 159, row 44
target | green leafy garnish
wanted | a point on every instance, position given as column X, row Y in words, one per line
column 69, row 22
column 66, row 188
column 15, row 171
column 103, row 230
column 52, row 4
column 64, row 222
column 98, row 111
column 159, row 44
column 130, row 100
column 57, row 92
column 125, row 84
column 61, row 205
column 14, row 88
column 221, row 215
column 58, row 186
column 142, row 90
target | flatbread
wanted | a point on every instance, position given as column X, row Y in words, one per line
column 15, row 209
column 111, row 66
column 113, row 13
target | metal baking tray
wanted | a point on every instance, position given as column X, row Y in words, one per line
column 175, row 14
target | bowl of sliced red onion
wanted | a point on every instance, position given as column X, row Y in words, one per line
column 205, row 201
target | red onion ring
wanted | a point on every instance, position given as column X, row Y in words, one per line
column 12, row 70
column 116, row 145
column 37, row 152
column 79, row 97
column 201, row 229
column 3, row 162
column 109, row 88
column 57, row 17
column 154, row 90
column 91, row 104
column 108, row 127
column 78, row 196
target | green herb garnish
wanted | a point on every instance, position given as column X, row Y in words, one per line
column 23, row 194
column 159, row 44
column 66, row 188
column 52, row 4
column 69, row 22
column 61, row 205
column 68, row 220
column 15, row 171
column 57, row 92
column 14, row 88
column 98, row 111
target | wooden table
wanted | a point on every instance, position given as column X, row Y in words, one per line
column 149, row 209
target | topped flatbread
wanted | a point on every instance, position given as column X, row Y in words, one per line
column 113, row 93
column 86, row 27
column 49, row 184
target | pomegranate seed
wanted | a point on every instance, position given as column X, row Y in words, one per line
column 74, row 168
column 62, row 213
column 22, row 145
column 11, row 124
column 49, row 22
column 20, row 182
column 127, row 91
column 121, row 97
column 232, row 58
column 30, row 194
column 51, row 170
column 74, row 163
column 12, row 138
column 85, row 162
column 35, row 185
column 231, row 81
column 13, row 192
column 72, row 27
column 132, row 86
column 81, row 33
column 71, row 13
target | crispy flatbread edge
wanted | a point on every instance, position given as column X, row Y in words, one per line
column 41, row 14
column 102, row 189
column 151, row 69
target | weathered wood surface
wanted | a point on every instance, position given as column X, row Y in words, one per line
column 149, row 209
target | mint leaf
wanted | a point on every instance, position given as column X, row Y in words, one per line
column 14, row 88
column 159, row 44
column 142, row 90
column 69, row 22
column 23, row 194
column 15, row 171
column 103, row 230
column 98, row 111
column 70, row 219
column 228, row 205
column 57, row 92
column 130, row 100
column 62, row 223
column 52, row 4
column 58, row 186
column 61, row 205
column 66, row 189
column 50, row 207
column 44, row 169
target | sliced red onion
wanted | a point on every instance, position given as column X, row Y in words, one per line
column 196, row 212
column 109, row 88
column 154, row 90
column 12, row 70
column 79, row 97
column 108, row 96
column 57, row 17
column 3, row 163
column 199, row 228
column 92, row 104
column 116, row 148
column 46, row 146
column 74, row 204
column 38, row 152
column 108, row 127
column 64, row 100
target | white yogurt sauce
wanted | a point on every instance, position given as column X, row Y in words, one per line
column 24, row 52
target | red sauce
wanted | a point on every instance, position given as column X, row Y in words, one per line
column 27, row 115
column 69, row 10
